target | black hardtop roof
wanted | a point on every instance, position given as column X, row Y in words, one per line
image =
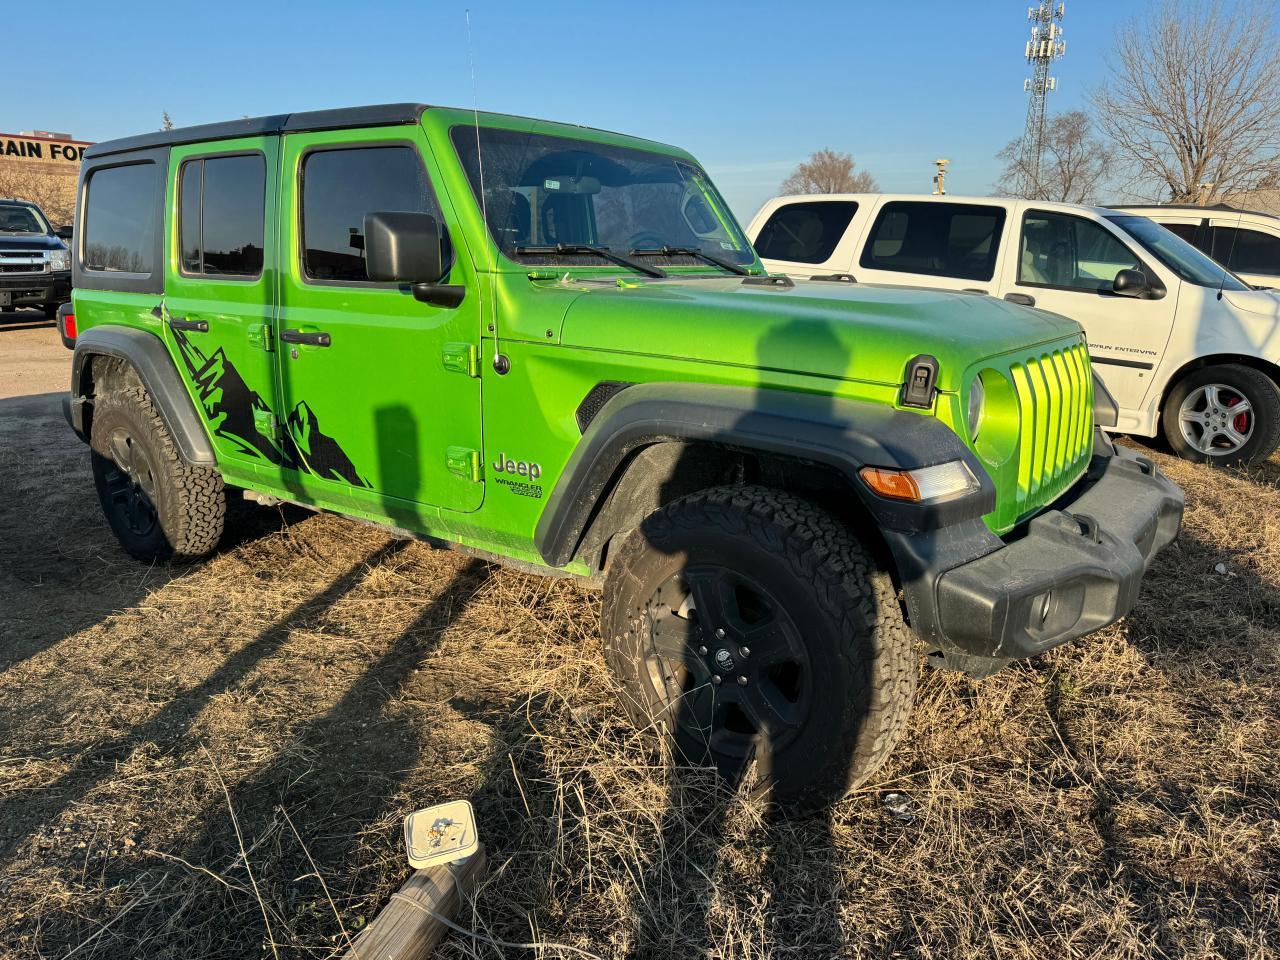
column 377, row 115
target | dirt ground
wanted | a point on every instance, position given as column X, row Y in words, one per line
column 214, row 761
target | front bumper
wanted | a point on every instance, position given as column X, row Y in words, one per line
column 33, row 289
column 1072, row 569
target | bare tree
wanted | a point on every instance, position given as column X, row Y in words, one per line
column 1193, row 98
column 1075, row 166
column 166, row 122
column 55, row 195
column 827, row 171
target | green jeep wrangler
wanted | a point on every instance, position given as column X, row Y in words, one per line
column 553, row 347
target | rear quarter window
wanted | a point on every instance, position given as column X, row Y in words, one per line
column 806, row 232
column 1247, row 251
column 959, row 240
column 120, row 219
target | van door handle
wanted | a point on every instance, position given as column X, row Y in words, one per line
column 303, row 336
column 1023, row 298
column 178, row 323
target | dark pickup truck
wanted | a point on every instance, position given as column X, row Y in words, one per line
column 35, row 264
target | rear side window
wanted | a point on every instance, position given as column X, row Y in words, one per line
column 221, row 208
column 805, row 232
column 958, row 240
column 1187, row 231
column 1069, row 252
column 338, row 188
column 120, row 219
column 1247, row 251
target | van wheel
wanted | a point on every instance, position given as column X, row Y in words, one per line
column 749, row 626
column 1223, row 414
column 158, row 507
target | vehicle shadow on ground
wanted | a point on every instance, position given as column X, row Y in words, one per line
column 375, row 749
column 25, row 320
column 22, row 814
column 61, row 568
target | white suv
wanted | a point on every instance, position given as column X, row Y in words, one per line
column 1245, row 241
column 1185, row 347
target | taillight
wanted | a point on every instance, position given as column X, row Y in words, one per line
column 67, row 326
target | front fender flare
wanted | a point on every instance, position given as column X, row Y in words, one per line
column 150, row 359
column 842, row 434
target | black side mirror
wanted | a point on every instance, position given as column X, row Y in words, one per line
column 401, row 247
column 63, row 232
column 1130, row 283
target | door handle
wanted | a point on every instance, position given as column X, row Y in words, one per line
column 311, row 339
column 1023, row 298
column 178, row 323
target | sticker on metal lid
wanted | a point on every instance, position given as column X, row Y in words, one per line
column 440, row 834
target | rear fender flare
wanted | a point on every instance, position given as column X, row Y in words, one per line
column 150, row 360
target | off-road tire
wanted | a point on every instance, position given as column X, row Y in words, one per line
column 1264, row 399
column 189, row 503
column 50, row 310
column 844, row 606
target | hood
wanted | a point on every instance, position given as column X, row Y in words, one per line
column 849, row 331
column 1264, row 302
column 30, row 241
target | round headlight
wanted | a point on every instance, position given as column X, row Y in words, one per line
column 977, row 406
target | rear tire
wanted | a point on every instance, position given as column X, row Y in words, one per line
column 1202, row 423
column 751, row 627
column 159, row 508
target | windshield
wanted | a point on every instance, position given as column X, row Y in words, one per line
column 18, row 218
column 541, row 191
column 1178, row 255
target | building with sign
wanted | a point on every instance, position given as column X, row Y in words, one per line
column 42, row 167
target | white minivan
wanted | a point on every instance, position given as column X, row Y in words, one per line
column 1185, row 347
column 1245, row 241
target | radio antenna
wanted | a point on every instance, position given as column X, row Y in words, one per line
column 499, row 361
column 1226, row 266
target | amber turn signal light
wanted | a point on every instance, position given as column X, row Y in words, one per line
column 922, row 483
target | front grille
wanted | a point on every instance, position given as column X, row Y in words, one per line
column 23, row 261
column 1055, row 394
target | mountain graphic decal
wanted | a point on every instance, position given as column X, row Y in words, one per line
column 317, row 452
column 230, row 406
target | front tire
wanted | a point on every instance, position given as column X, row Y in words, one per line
column 751, row 627
column 159, row 508
column 1224, row 414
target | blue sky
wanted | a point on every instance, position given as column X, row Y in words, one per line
column 750, row 88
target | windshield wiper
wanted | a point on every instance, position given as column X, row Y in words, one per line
column 583, row 249
column 692, row 252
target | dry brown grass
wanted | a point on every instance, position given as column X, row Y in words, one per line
column 1116, row 798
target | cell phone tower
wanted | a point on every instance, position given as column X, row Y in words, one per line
column 1045, row 46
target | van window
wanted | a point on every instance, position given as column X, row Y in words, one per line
column 806, row 232
column 120, row 219
column 1247, row 251
column 221, row 204
column 958, row 240
column 1187, row 231
column 1069, row 252
column 338, row 188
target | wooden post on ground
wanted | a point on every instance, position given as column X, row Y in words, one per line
column 403, row 929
